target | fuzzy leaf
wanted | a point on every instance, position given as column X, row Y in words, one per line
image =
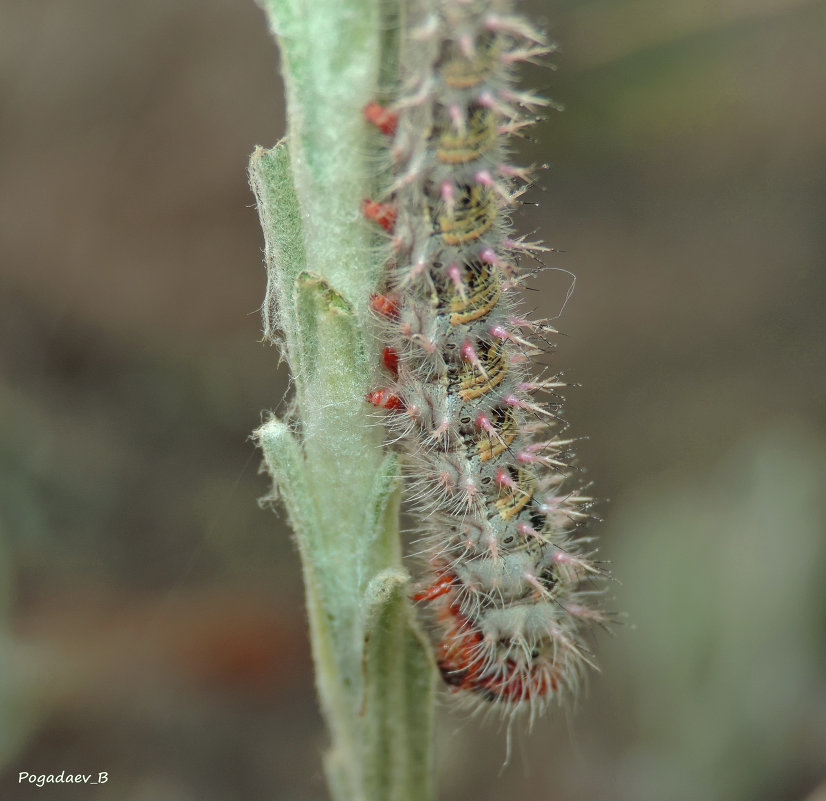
column 330, row 56
column 398, row 685
column 272, row 183
column 381, row 542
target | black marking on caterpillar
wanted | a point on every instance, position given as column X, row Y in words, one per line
column 488, row 476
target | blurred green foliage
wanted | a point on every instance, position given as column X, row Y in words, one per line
column 723, row 583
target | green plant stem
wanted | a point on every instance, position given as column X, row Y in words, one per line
column 374, row 673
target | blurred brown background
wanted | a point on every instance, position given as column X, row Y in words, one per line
column 151, row 617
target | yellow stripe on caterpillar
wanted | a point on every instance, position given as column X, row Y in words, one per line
column 490, row 445
column 475, row 141
column 461, row 71
column 473, row 215
column 513, row 500
column 476, row 381
column 485, row 290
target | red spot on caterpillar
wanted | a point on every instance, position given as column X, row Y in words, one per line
column 469, row 353
column 463, row 669
column 391, row 360
column 382, row 213
column 441, row 586
column 447, row 192
column 388, row 307
column 489, row 256
column 384, row 399
column 381, row 116
column 528, row 531
column 457, row 654
column 502, row 479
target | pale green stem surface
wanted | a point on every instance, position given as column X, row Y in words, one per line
column 374, row 672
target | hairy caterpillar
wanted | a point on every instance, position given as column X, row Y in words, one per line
column 508, row 577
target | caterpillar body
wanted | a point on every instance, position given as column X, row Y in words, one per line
column 508, row 577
